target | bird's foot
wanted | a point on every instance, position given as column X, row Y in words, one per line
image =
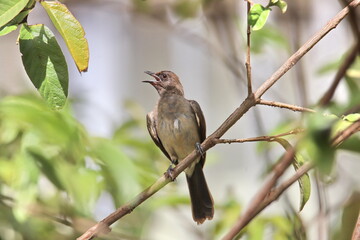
column 169, row 172
column 199, row 149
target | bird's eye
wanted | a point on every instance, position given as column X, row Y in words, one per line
column 164, row 76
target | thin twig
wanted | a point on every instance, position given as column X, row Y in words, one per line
column 248, row 55
column 341, row 136
column 260, row 138
column 210, row 141
column 285, row 105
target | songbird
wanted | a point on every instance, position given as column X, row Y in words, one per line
column 177, row 126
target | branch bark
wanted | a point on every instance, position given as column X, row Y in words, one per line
column 285, row 105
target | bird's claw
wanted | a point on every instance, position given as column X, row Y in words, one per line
column 199, row 149
column 169, row 172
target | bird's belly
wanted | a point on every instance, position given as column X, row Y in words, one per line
column 178, row 136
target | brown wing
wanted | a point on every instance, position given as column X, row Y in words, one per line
column 151, row 126
column 201, row 124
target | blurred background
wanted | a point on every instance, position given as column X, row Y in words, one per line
column 204, row 43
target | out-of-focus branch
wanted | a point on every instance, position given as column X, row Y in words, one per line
column 346, row 64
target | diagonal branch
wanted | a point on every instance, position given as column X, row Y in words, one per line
column 209, row 142
column 261, row 138
column 285, row 105
column 349, row 60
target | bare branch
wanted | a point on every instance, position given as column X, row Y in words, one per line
column 248, row 55
column 343, row 135
column 261, row 138
column 285, row 105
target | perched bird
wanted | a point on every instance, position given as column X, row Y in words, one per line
column 177, row 126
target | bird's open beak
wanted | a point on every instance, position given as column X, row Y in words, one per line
column 156, row 77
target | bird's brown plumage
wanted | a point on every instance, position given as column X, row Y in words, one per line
column 176, row 125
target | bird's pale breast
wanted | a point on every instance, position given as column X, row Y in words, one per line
column 177, row 127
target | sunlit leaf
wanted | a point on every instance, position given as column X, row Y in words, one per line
column 44, row 63
column 258, row 16
column 13, row 24
column 71, row 31
column 281, row 4
column 9, row 9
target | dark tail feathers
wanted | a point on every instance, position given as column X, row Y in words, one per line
column 201, row 200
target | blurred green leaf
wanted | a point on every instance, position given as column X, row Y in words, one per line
column 280, row 4
column 272, row 37
column 304, row 181
column 187, row 8
column 170, row 200
column 88, row 185
column 9, row 9
column 317, row 142
column 350, row 213
column 119, row 171
column 230, row 211
column 71, row 31
column 258, row 16
column 44, row 63
column 353, row 142
column 329, row 67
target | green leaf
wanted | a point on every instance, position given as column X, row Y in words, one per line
column 317, row 142
column 44, row 63
column 118, row 169
column 304, row 181
column 71, row 31
column 280, row 4
column 9, row 9
column 258, row 16
column 13, row 24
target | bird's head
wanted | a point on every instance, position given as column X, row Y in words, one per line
column 166, row 82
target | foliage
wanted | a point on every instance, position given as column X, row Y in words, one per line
column 42, row 58
column 52, row 169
